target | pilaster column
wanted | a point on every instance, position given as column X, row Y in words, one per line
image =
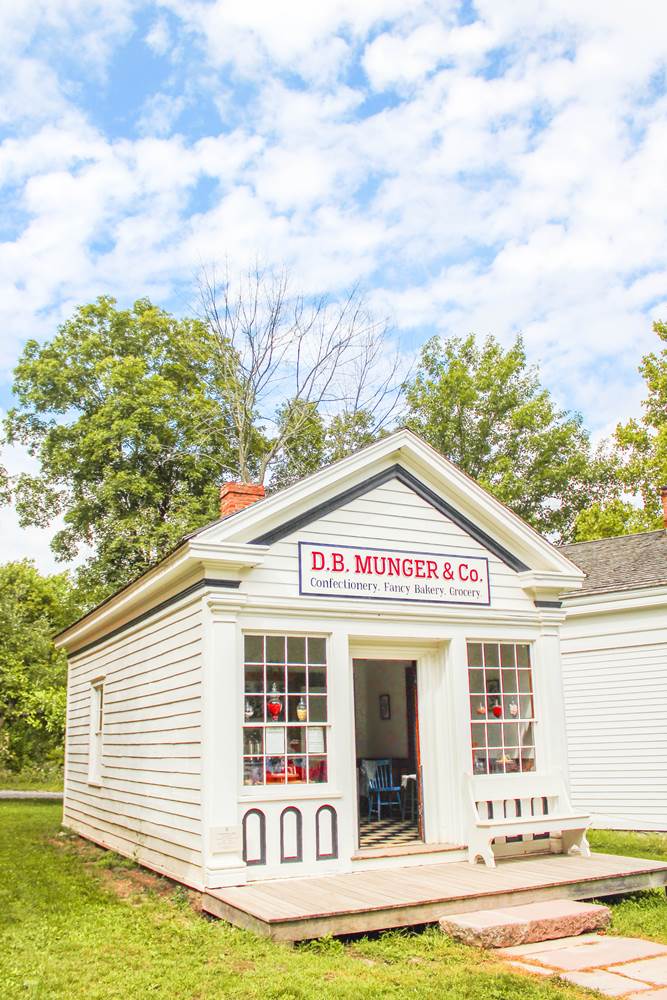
column 221, row 746
column 459, row 720
column 552, row 742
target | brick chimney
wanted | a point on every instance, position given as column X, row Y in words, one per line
column 237, row 496
column 663, row 497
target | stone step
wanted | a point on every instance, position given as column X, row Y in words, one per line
column 531, row 922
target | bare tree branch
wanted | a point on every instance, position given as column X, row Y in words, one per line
column 273, row 348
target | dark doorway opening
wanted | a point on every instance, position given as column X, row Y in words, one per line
column 386, row 708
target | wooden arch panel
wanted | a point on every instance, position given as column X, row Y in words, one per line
column 326, row 833
column 254, row 837
column 291, row 835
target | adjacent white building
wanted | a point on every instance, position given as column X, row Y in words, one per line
column 227, row 710
column 614, row 644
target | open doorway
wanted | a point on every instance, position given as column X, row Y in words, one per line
column 386, row 715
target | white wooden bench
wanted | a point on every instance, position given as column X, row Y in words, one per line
column 510, row 805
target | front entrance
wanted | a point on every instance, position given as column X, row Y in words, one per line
column 386, row 715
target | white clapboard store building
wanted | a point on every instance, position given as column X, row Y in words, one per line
column 614, row 646
column 231, row 712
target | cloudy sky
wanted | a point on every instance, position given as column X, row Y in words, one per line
column 498, row 166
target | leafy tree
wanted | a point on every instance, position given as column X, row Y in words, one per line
column 320, row 442
column 303, row 453
column 32, row 671
column 5, row 490
column 485, row 409
column 632, row 502
column 119, row 409
column 610, row 519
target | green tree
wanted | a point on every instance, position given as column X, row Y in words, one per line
column 32, row 671
column 303, row 453
column 639, row 450
column 320, row 442
column 125, row 411
column 484, row 408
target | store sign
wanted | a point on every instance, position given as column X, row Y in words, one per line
column 392, row 574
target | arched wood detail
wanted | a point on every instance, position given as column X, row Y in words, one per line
column 261, row 858
column 320, row 817
column 285, row 856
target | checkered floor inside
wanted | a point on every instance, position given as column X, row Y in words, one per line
column 387, row 832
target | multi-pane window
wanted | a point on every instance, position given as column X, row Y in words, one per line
column 501, row 707
column 285, row 710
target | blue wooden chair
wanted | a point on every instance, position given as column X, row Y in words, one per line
column 382, row 790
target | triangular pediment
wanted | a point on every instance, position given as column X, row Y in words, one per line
column 401, row 475
column 404, row 457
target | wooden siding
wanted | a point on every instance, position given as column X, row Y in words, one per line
column 148, row 804
column 390, row 516
column 615, row 682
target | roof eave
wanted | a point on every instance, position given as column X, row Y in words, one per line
column 220, row 558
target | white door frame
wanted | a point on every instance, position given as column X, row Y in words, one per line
column 437, row 746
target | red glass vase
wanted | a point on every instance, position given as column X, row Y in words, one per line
column 275, row 707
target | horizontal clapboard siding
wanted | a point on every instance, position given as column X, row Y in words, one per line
column 391, row 516
column 148, row 805
column 615, row 680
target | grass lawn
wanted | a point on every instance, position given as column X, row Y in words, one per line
column 42, row 780
column 79, row 923
column 644, row 914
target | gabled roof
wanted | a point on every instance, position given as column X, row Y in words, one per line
column 405, row 456
column 626, row 562
column 240, row 541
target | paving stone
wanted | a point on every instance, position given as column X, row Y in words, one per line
column 653, row 995
column 603, row 951
column 608, row 983
column 537, row 970
column 526, row 950
column 533, row 922
column 653, row 970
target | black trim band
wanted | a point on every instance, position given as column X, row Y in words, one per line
column 548, row 604
column 192, row 589
column 405, row 477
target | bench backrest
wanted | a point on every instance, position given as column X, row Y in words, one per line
column 505, row 796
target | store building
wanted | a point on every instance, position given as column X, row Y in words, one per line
column 614, row 643
column 230, row 711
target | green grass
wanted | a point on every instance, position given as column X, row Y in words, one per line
column 643, row 914
column 76, row 922
column 37, row 780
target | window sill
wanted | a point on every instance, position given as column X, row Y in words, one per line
column 265, row 794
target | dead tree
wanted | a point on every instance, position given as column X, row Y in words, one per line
column 274, row 347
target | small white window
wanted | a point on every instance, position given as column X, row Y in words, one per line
column 95, row 748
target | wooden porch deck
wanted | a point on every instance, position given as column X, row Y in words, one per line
column 296, row 909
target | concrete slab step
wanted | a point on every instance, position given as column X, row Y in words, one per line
column 519, row 925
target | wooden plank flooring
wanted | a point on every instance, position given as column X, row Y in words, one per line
column 299, row 908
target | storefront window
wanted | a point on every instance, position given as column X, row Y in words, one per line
column 285, row 710
column 501, row 707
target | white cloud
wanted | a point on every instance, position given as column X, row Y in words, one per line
column 500, row 176
column 159, row 38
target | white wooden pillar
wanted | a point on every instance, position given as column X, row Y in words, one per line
column 342, row 736
column 459, row 741
column 221, row 745
column 551, row 743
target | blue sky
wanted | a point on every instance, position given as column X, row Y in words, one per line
column 495, row 166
